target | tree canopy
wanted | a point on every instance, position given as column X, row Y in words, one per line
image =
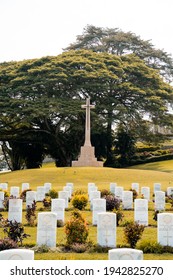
column 40, row 103
column 116, row 41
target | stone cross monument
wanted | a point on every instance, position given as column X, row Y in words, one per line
column 87, row 154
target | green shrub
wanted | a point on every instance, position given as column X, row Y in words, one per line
column 6, row 202
column 80, row 191
column 23, row 194
column 133, row 232
column 150, row 247
column 76, row 229
column 30, row 214
column 53, row 193
column 60, row 223
column 7, row 243
column 135, row 194
column 42, row 249
column 112, row 203
column 6, row 193
column 119, row 216
column 47, row 202
column 156, row 212
column 105, row 192
column 14, row 230
column 80, row 201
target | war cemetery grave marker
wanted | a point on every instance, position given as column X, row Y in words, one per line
column 91, row 189
column 135, row 186
column 47, row 187
column 30, row 197
column 169, row 191
column 145, row 191
column 4, row 186
column 46, row 229
column 99, row 206
column 68, row 189
column 159, row 200
column 157, row 187
column 15, row 210
column 1, row 200
column 64, row 195
column 94, row 195
column 17, row 254
column 14, row 191
column 165, row 229
column 112, row 187
column 125, row 254
column 25, row 186
column 106, row 229
column 40, row 193
column 127, row 200
column 119, row 192
column 58, row 207
column 141, row 211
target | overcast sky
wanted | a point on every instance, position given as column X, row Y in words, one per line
column 36, row 28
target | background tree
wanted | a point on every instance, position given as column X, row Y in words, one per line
column 116, row 41
column 40, row 102
column 125, row 146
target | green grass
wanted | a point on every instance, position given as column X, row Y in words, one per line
column 163, row 166
column 81, row 176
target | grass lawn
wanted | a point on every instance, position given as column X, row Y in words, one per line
column 81, row 176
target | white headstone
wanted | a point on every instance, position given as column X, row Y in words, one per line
column 17, row 254
column 25, row 186
column 14, row 191
column 135, row 186
column 106, row 229
column 165, row 229
column 91, row 189
column 145, row 191
column 1, row 200
column 30, row 197
column 4, row 186
column 94, row 195
column 46, row 229
column 58, row 207
column 119, row 192
column 70, row 185
column 157, row 187
column 141, row 211
column 99, row 206
column 159, row 200
column 169, row 191
column 112, row 187
column 15, row 210
column 125, row 254
column 127, row 200
column 64, row 195
column 47, row 187
column 40, row 193
column 69, row 190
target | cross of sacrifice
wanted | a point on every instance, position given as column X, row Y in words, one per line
column 87, row 122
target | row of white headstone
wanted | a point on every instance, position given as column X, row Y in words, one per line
column 113, row 254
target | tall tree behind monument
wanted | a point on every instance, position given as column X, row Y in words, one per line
column 87, row 154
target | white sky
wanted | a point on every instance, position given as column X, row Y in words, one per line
column 36, row 28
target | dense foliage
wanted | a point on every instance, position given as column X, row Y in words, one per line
column 40, row 99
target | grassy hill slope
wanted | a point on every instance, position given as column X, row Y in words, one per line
column 81, row 176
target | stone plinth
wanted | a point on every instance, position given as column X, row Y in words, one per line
column 87, row 158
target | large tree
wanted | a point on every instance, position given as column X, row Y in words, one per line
column 40, row 100
column 115, row 41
